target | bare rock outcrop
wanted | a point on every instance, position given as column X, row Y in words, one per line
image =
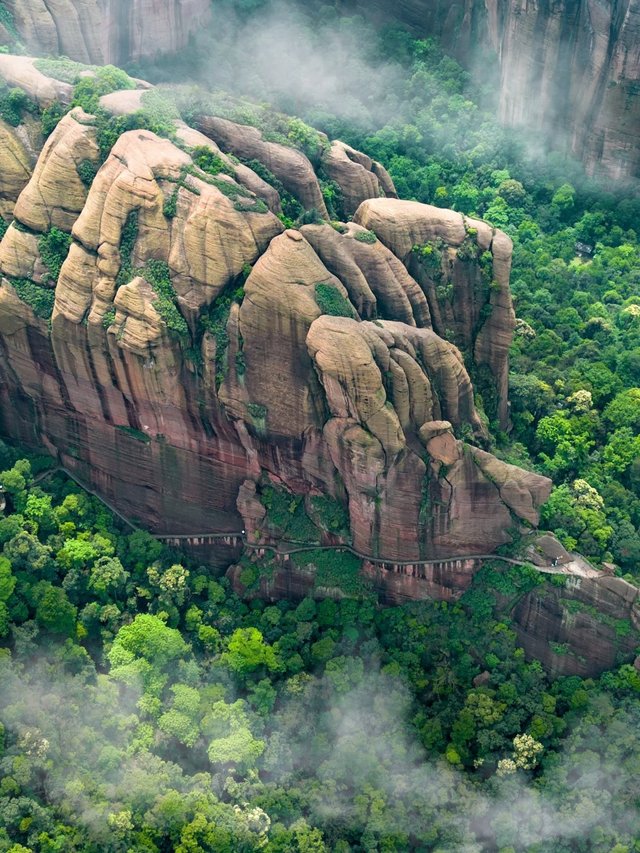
column 289, row 165
column 582, row 628
column 56, row 194
column 463, row 267
column 379, row 285
column 20, row 72
column 358, row 176
column 117, row 31
column 16, row 168
column 196, row 350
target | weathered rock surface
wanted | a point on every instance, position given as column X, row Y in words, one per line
column 198, row 353
column 56, row 195
column 463, row 266
column 16, row 168
column 377, row 282
column 359, row 176
column 567, row 68
column 289, row 165
column 103, row 31
column 20, row 72
column 326, row 372
column 580, row 629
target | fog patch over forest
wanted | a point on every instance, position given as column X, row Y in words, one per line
column 83, row 738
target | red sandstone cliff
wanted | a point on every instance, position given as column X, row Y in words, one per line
column 106, row 31
column 329, row 373
column 571, row 68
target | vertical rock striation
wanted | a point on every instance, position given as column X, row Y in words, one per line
column 198, row 354
column 570, row 68
column 107, row 31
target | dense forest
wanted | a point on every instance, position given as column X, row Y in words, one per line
column 146, row 707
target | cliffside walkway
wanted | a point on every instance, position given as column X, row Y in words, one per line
column 577, row 567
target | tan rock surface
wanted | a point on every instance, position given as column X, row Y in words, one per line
column 138, row 326
column 357, row 175
column 431, row 429
column 20, row 72
column 117, row 32
column 470, row 301
column 123, row 102
column 55, row 195
column 244, row 175
column 352, row 380
column 274, row 323
column 378, row 284
column 522, row 491
column 20, row 256
column 16, row 168
column 206, row 244
column 289, row 165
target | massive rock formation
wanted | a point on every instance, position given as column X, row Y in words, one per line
column 204, row 368
column 583, row 628
column 198, row 354
column 103, row 31
column 570, row 68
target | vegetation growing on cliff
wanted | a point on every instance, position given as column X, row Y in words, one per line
column 40, row 298
column 332, row 302
column 144, row 706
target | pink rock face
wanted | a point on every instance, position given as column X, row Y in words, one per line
column 108, row 31
column 264, row 360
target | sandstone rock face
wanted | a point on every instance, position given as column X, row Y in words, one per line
column 103, row 31
column 568, row 68
column 56, row 194
column 16, row 168
column 581, row 629
column 198, row 354
column 463, row 267
column 582, row 61
column 359, row 176
column 287, row 164
column 20, row 72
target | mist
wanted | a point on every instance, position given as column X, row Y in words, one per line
column 350, row 78
column 89, row 751
column 308, row 62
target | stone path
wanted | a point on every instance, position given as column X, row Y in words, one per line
column 577, row 567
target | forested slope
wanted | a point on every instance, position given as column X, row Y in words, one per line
column 144, row 705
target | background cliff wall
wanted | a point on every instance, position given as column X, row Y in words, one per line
column 571, row 68
column 106, row 31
